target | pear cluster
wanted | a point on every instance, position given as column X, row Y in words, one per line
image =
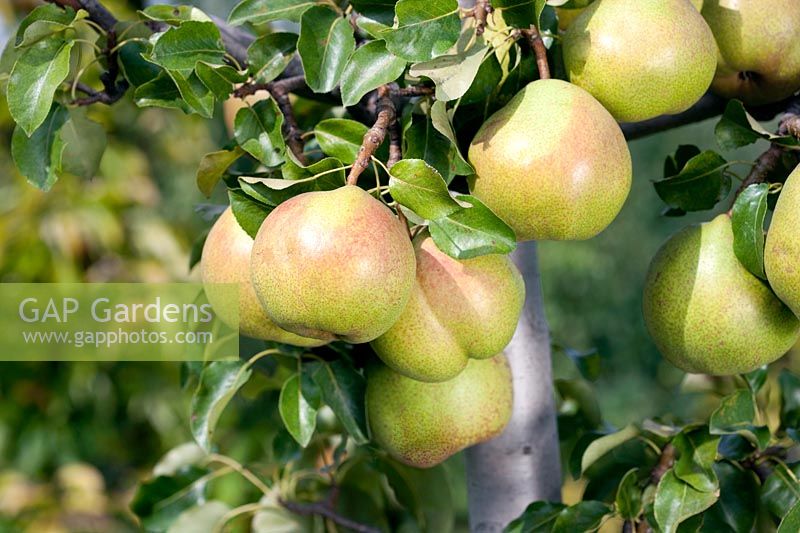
column 339, row 265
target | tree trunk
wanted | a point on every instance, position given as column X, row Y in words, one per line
column 522, row 464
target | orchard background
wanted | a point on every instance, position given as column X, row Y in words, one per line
column 77, row 440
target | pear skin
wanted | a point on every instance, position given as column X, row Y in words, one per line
column 641, row 58
column 706, row 313
column 782, row 252
column 333, row 265
column 226, row 260
column 759, row 48
column 459, row 309
column 422, row 424
column 553, row 164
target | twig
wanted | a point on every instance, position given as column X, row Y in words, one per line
column 325, row 510
column 480, row 12
column 414, row 90
column 113, row 90
column 386, row 115
column 665, row 462
column 395, row 155
column 539, row 50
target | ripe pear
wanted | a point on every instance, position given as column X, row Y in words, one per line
column 641, row 58
column 759, row 48
column 552, row 163
column 459, row 309
column 782, row 253
column 333, row 265
column 226, row 260
column 422, row 424
column 708, row 314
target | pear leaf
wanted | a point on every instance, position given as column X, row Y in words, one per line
column 298, row 405
column 697, row 450
column 419, row 187
column 213, row 166
column 583, row 516
column 791, row 522
column 599, row 447
column 261, row 11
column 736, row 415
column 181, row 47
column 454, row 72
column 161, row 500
column 738, row 128
column 676, row 501
column 340, row 138
column 781, row 490
column 471, row 231
column 249, row 213
column 219, row 382
column 425, row 29
column 343, row 390
column 371, row 66
column 538, row 516
column 737, row 507
column 258, row 132
column 698, row 185
column 325, row 43
column 39, row 156
column 270, row 54
column 629, row 495
column 202, row 518
column 747, row 217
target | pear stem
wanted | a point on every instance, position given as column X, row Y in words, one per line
column 539, row 50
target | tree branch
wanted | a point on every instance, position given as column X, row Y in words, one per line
column 325, row 510
column 665, row 462
column 539, row 50
column 386, row 115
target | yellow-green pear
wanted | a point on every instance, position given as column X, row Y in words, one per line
column 226, row 260
column 422, row 424
column 782, row 253
column 759, row 48
column 553, row 164
column 333, row 265
column 706, row 313
column 641, row 58
column 459, row 309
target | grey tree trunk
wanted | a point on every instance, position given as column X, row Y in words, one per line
column 522, row 464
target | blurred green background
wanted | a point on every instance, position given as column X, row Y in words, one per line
column 76, row 438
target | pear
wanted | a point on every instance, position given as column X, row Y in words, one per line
column 459, row 309
column 226, row 260
column 333, row 265
column 422, row 424
column 567, row 16
column 759, row 48
column 782, row 253
column 552, row 163
column 641, row 58
column 706, row 312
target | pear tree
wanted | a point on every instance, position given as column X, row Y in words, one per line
column 388, row 169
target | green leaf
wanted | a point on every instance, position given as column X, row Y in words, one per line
column 39, row 156
column 371, row 66
column 202, row 518
column 599, row 447
column 698, row 186
column 181, row 47
column 737, row 128
column 419, row 187
column 194, row 93
column 326, row 41
column 675, row 501
column 272, row 192
column 421, row 140
column 790, row 401
column 298, row 404
column 425, row 29
column 84, row 144
column 629, row 496
column 781, row 491
column 737, row 507
column 219, row 79
column 425, row 493
column 517, row 13
column 45, row 21
column 757, row 378
column 538, row 516
column 442, row 121
column 272, row 517
column 159, row 501
column 36, row 76
column 343, row 390
column 340, row 138
column 791, row 522
column 583, row 516
column 697, row 450
column 261, row 11
column 247, row 212
column 472, row 231
column 736, row 414
column 270, row 54
column 136, row 69
column 454, row 72
column 258, row 132
column 161, row 91
column 294, row 170
column 175, row 14
column 213, row 166
column 381, row 11
column 219, row 382
column 747, row 217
